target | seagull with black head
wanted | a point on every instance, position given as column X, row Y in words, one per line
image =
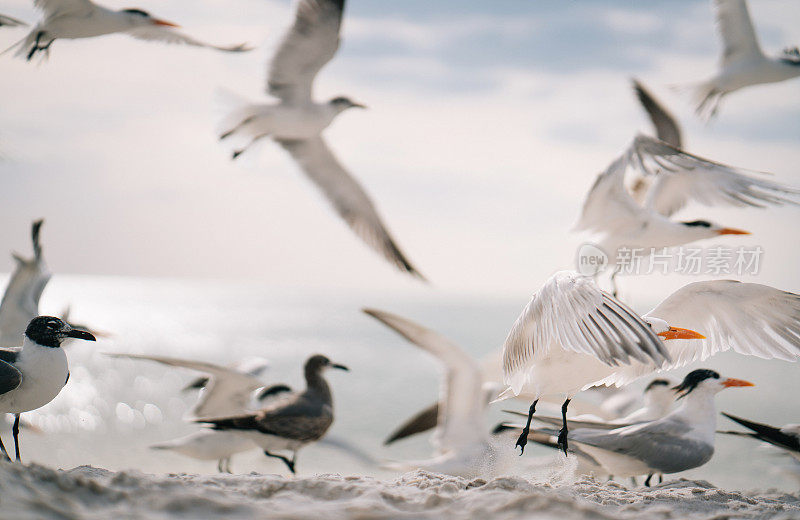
column 33, row 375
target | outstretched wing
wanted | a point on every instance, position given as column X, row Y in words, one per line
column 767, row 433
column 167, row 35
column 306, row 47
column 347, row 197
column 570, row 312
column 59, row 7
column 667, row 128
column 750, row 318
column 735, row 27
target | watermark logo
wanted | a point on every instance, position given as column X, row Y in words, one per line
column 591, row 260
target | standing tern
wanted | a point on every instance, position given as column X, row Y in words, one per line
column 682, row 440
column 72, row 19
column 743, row 62
column 787, row 437
column 463, row 445
column 32, row 375
column 572, row 336
column 290, row 424
column 297, row 121
column 20, row 302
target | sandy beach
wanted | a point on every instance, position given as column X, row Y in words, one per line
column 38, row 492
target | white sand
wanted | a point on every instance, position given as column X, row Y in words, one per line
column 37, row 492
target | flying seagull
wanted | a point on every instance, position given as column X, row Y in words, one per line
column 292, row 423
column 32, row 375
column 72, row 19
column 463, row 443
column 20, row 302
column 296, row 122
column 743, row 63
column 572, row 336
column 682, row 440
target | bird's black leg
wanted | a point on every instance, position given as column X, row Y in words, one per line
column 3, row 450
column 237, row 153
column 523, row 438
column 220, row 466
column 562, row 435
column 660, row 478
column 233, row 130
column 647, row 482
column 15, row 432
column 289, row 463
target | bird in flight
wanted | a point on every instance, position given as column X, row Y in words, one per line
column 296, row 122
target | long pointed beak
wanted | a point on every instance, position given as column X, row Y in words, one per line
column 165, row 23
column 736, row 382
column 679, row 333
column 359, row 105
column 80, row 334
column 732, row 231
column 340, row 367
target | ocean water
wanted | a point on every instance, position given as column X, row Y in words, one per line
column 113, row 410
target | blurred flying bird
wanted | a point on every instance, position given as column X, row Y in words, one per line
column 743, row 63
column 72, row 19
column 682, row 440
column 293, row 422
column 32, row 375
column 296, row 122
column 20, row 302
column 463, row 444
column 572, row 336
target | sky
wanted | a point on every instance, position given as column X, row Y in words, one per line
column 487, row 124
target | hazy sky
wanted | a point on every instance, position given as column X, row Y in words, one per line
column 487, row 124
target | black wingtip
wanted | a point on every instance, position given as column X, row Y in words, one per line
column 35, row 230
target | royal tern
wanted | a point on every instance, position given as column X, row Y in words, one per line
column 72, row 19
column 21, row 299
column 743, row 62
column 296, row 122
column 787, row 437
column 572, row 336
column 678, row 177
column 679, row 441
column 464, row 446
column 292, row 423
column 33, row 374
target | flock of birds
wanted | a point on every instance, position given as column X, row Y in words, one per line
column 571, row 337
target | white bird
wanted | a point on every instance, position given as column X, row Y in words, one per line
column 679, row 441
column 297, row 121
column 743, row 63
column 7, row 21
column 463, row 444
column 73, row 19
column 572, row 336
column 641, row 220
column 32, row 375
column 20, row 302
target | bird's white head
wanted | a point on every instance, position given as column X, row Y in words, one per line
column 138, row 18
column 706, row 381
column 700, row 229
column 49, row 331
column 663, row 329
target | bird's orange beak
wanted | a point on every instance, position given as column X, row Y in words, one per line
column 736, row 382
column 679, row 333
column 732, row 231
column 165, row 23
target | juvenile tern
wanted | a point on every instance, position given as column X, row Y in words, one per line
column 463, row 444
column 295, row 421
column 296, row 122
column 787, row 437
column 743, row 63
column 572, row 336
column 72, row 19
column 32, row 375
column 20, row 302
column 682, row 440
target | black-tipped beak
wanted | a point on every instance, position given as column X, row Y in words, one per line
column 340, row 367
column 80, row 334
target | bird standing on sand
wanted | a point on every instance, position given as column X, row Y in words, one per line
column 32, row 375
column 72, row 19
column 572, row 336
column 743, row 62
column 295, row 421
column 682, row 440
column 20, row 302
column 297, row 121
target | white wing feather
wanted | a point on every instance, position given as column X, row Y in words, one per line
column 168, row 35
column 59, row 7
column 735, row 27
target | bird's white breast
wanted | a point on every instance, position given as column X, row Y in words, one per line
column 44, row 374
